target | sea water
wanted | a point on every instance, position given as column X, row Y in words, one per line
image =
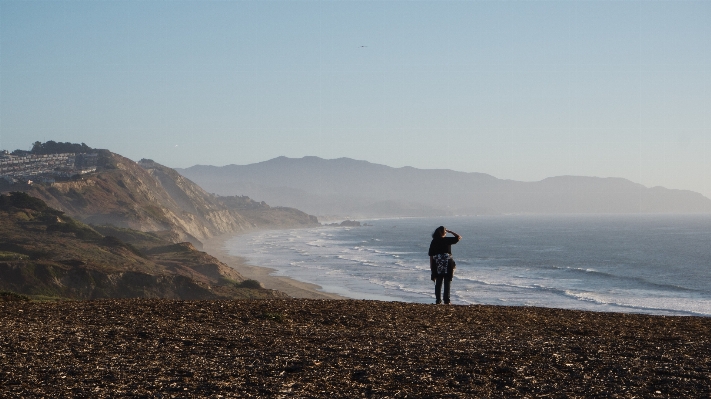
column 631, row 263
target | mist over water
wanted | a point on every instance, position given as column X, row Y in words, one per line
column 642, row 264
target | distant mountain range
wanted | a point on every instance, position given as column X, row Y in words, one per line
column 347, row 187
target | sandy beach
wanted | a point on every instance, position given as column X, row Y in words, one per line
column 295, row 289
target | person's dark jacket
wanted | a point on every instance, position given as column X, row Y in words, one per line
column 442, row 245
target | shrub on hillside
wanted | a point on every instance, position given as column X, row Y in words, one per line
column 80, row 230
column 20, row 200
column 249, row 284
column 111, row 241
column 9, row 296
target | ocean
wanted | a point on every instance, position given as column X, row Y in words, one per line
column 657, row 264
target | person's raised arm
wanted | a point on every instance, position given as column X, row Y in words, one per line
column 454, row 234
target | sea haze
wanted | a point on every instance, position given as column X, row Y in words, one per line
column 633, row 263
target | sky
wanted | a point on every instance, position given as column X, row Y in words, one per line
column 521, row 90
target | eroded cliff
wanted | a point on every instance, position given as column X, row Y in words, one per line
column 150, row 197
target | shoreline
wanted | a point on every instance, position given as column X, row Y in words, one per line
column 314, row 288
column 215, row 246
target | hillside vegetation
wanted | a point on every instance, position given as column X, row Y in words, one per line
column 46, row 254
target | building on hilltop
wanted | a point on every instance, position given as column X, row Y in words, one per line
column 46, row 166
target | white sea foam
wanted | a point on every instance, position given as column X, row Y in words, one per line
column 632, row 273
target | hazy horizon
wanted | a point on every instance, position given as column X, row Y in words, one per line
column 434, row 168
column 518, row 90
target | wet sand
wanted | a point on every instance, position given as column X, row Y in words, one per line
column 291, row 287
column 302, row 348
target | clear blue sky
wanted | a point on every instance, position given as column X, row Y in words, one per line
column 519, row 89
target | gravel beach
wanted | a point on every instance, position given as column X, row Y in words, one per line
column 345, row 348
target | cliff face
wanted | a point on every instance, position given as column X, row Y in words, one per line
column 197, row 212
column 147, row 196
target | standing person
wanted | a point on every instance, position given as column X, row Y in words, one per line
column 441, row 262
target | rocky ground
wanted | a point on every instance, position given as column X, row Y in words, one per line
column 344, row 348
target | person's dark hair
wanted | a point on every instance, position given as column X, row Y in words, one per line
column 438, row 232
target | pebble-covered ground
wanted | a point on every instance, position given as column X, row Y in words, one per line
column 343, row 348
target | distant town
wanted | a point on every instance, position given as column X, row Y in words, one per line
column 43, row 165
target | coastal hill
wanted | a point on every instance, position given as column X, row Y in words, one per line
column 86, row 223
column 150, row 197
column 360, row 189
column 47, row 254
